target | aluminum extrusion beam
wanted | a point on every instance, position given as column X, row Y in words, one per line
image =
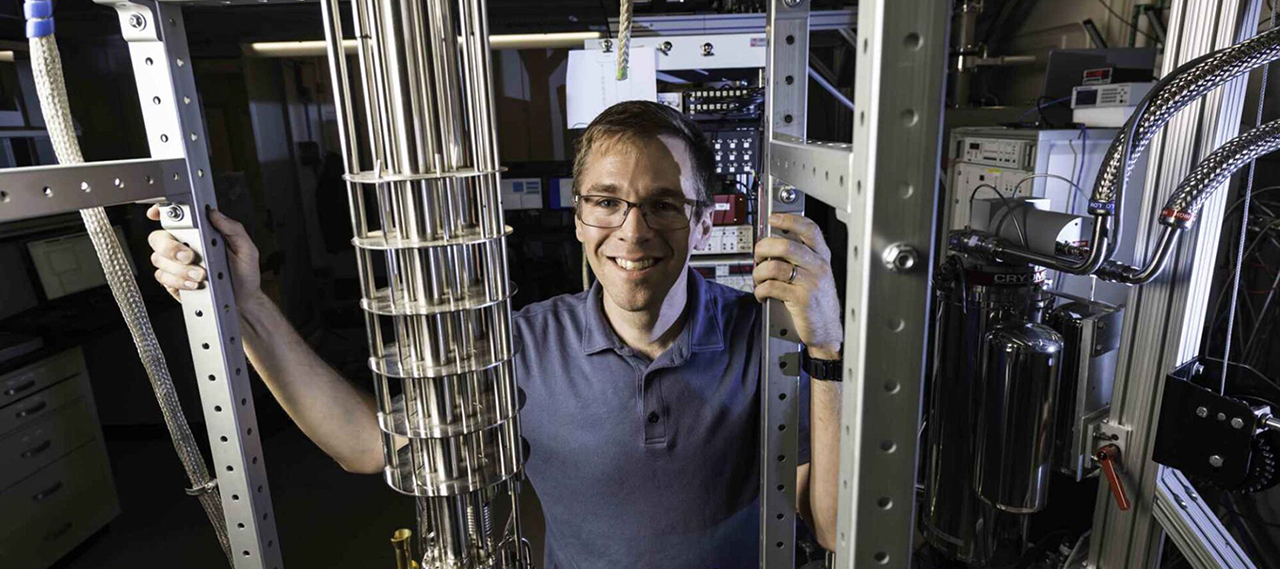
column 1193, row 526
column 785, row 100
column 892, row 203
column 48, row 190
column 1165, row 319
column 642, row 26
column 883, row 187
column 821, row 168
column 156, row 35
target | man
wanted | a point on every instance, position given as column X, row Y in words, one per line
column 642, row 394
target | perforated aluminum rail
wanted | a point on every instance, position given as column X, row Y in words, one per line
column 884, row 187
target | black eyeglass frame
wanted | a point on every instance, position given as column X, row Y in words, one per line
column 698, row 206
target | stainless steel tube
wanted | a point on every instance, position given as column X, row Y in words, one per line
column 971, row 302
column 1018, row 381
column 431, row 250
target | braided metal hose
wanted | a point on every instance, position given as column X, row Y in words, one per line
column 1175, row 91
column 46, row 65
column 1214, row 171
column 1180, row 211
column 624, row 38
column 1186, row 84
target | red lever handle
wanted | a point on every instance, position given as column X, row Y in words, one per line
column 1108, row 456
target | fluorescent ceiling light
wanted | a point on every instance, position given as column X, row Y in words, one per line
column 316, row 48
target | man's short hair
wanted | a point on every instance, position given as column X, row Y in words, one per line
column 631, row 120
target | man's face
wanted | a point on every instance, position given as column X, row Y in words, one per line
column 637, row 265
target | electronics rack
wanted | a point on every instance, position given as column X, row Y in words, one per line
column 730, row 115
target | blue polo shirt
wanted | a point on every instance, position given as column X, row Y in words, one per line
column 643, row 463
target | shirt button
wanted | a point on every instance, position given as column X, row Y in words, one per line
column 653, row 417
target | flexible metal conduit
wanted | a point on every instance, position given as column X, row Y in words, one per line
column 1174, row 92
column 46, row 66
column 1180, row 211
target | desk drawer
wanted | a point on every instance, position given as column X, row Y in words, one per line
column 27, row 380
column 44, row 440
column 56, row 508
column 41, row 403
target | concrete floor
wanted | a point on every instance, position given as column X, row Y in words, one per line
column 325, row 516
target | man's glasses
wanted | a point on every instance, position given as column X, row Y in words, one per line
column 609, row 212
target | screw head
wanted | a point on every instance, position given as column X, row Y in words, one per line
column 1237, row 422
column 788, row 195
column 1202, row 412
column 174, row 212
column 708, row 49
column 665, row 47
column 899, row 257
column 792, row 3
column 1222, row 416
column 1215, row 461
column 137, row 22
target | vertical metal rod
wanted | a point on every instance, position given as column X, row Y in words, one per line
column 428, row 97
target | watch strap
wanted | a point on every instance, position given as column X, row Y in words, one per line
column 825, row 370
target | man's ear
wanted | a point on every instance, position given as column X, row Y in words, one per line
column 577, row 229
column 702, row 230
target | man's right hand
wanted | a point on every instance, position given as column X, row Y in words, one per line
column 176, row 264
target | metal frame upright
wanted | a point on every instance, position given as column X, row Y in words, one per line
column 1170, row 313
column 179, row 173
column 884, row 187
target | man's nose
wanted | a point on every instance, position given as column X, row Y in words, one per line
column 635, row 227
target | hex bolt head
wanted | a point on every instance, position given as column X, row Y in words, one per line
column 1237, row 422
column 788, row 195
column 899, row 257
column 1215, row 461
column 137, row 22
column 1202, row 412
column 174, row 212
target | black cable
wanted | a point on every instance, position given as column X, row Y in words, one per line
column 1009, row 208
column 605, row 12
column 1244, row 232
column 1127, row 22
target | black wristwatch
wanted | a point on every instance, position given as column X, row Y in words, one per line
column 825, row 370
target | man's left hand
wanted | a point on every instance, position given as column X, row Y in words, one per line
column 799, row 275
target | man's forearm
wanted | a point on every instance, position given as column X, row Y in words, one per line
column 824, row 469
column 339, row 418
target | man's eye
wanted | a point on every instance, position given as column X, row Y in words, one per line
column 606, row 202
column 665, row 206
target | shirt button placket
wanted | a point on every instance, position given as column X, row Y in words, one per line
column 654, row 429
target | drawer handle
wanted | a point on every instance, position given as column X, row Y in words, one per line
column 32, row 410
column 37, row 449
column 19, row 388
column 44, row 494
column 55, row 534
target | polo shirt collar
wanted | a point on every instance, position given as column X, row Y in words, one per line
column 702, row 332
